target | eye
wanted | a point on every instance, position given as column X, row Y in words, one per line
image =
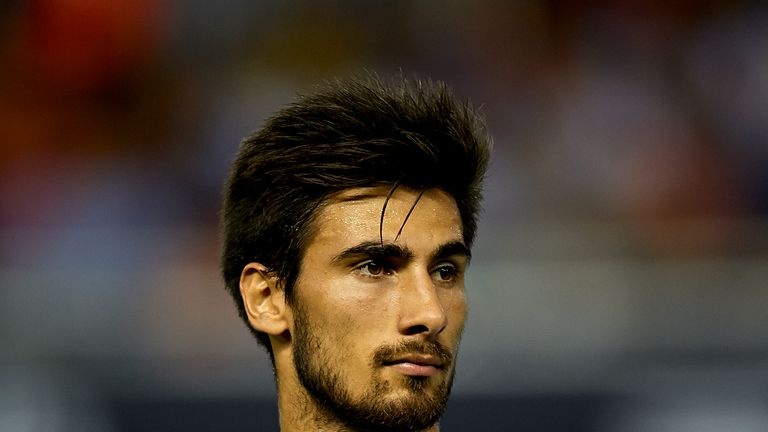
column 445, row 273
column 373, row 269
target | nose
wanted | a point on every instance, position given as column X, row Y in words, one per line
column 421, row 310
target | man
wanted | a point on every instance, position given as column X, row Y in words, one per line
column 348, row 222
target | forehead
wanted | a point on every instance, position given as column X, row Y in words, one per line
column 363, row 214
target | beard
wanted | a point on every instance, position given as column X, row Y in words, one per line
column 318, row 367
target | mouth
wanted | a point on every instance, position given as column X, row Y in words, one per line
column 417, row 365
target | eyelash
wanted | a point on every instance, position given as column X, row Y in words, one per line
column 384, row 270
column 364, row 269
column 454, row 272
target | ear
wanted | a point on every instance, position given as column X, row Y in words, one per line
column 264, row 302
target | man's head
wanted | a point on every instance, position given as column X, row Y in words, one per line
column 348, row 221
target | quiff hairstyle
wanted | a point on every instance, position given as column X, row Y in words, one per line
column 351, row 133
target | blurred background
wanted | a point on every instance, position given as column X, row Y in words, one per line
column 619, row 280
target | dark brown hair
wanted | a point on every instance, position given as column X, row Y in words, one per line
column 350, row 133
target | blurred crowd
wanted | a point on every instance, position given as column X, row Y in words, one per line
column 629, row 135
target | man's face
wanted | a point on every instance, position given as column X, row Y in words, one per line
column 378, row 317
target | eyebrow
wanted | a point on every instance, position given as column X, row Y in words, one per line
column 378, row 250
column 374, row 250
column 451, row 249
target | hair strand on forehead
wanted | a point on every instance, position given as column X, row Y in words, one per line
column 384, row 209
column 416, row 201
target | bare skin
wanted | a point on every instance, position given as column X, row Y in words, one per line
column 365, row 295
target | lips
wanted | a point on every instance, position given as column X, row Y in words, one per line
column 416, row 364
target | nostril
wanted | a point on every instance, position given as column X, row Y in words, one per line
column 413, row 330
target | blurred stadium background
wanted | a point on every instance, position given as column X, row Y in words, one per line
column 619, row 281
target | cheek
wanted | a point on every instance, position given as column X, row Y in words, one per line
column 349, row 309
column 455, row 304
column 359, row 300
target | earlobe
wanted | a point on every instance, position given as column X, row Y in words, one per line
column 264, row 302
